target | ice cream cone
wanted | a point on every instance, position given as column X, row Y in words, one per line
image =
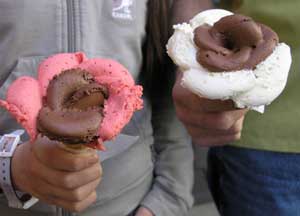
column 76, row 148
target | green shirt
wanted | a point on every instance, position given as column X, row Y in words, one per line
column 278, row 129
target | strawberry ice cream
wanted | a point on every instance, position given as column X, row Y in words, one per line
column 26, row 96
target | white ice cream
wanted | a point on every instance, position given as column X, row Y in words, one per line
column 251, row 89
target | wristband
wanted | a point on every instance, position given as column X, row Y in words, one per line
column 16, row 199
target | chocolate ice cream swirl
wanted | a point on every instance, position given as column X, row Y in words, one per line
column 73, row 108
column 234, row 43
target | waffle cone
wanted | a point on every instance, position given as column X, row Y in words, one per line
column 76, row 148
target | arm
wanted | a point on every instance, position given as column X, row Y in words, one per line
column 67, row 181
column 209, row 122
column 184, row 10
column 46, row 171
column 171, row 190
column 56, row 176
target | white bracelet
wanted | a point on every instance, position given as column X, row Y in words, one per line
column 8, row 144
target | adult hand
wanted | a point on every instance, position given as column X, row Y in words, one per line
column 56, row 176
column 142, row 211
column 209, row 122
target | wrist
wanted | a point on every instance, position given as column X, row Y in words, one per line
column 8, row 147
column 17, row 171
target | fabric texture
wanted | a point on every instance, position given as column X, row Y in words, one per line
column 169, row 160
column 252, row 182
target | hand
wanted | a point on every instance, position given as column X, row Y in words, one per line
column 209, row 122
column 142, row 211
column 56, row 176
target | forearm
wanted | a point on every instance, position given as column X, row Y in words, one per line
column 184, row 10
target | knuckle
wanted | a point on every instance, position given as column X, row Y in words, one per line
column 232, row 138
column 94, row 197
column 67, row 182
column 99, row 171
column 75, row 164
column 222, row 122
column 77, row 195
column 97, row 182
column 237, row 136
column 236, row 129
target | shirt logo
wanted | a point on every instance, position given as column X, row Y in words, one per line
column 122, row 9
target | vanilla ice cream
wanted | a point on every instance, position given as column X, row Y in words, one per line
column 251, row 88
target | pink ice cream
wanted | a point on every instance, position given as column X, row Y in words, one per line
column 25, row 95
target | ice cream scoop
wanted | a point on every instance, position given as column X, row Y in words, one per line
column 75, row 99
column 226, row 56
column 73, row 109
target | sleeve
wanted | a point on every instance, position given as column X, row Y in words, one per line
column 171, row 193
column 8, row 123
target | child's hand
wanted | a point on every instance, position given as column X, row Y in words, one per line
column 56, row 176
column 209, row 122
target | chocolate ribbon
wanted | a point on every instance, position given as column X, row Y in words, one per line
column 73, row 109
column 233, row 43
